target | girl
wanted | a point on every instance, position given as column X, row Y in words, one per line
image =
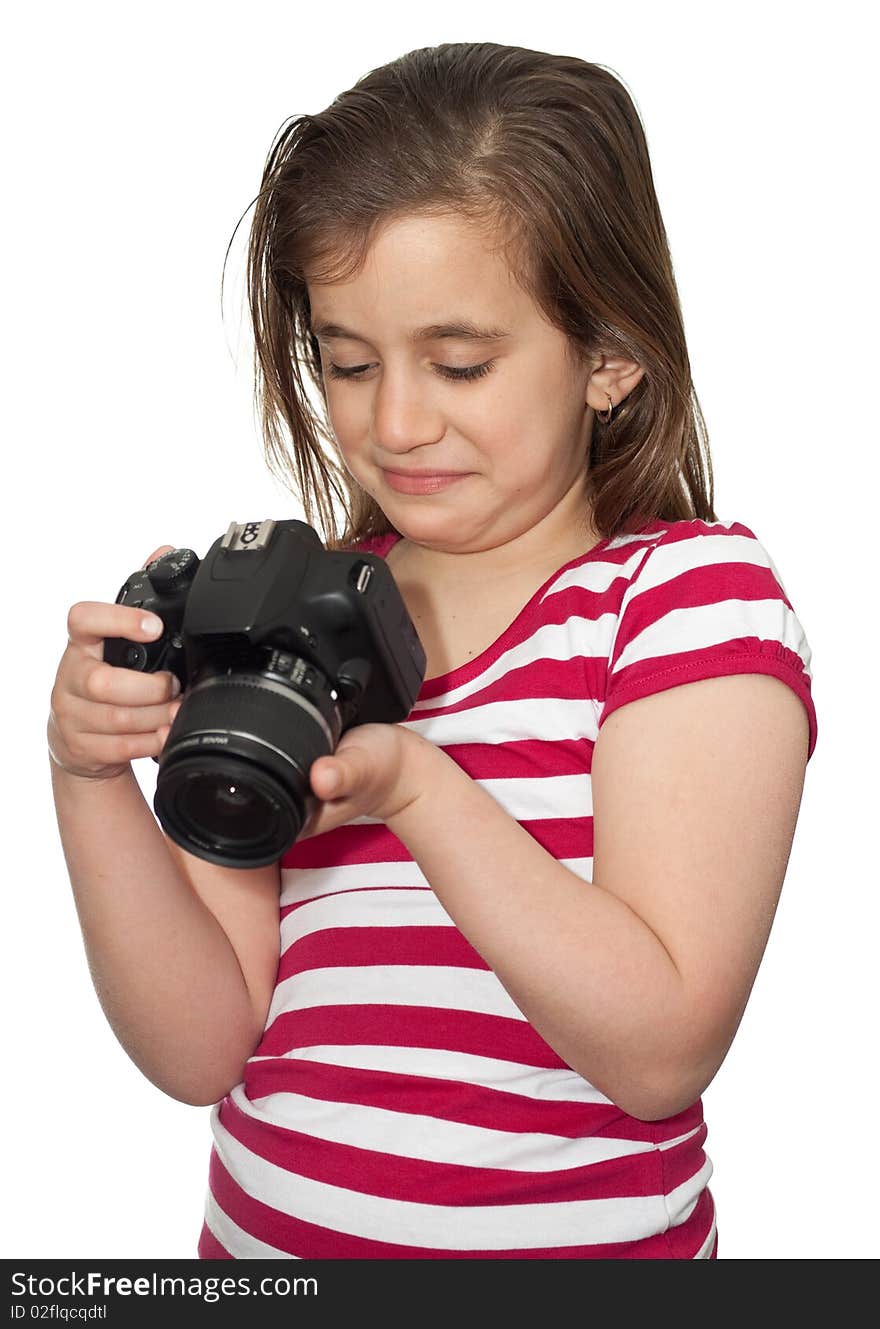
column 519, row 932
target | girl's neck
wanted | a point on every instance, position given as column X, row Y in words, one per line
column 516, row 560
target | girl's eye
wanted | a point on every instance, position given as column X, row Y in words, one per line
column 446, row 371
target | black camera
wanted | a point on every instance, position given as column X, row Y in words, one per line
column 280, row 646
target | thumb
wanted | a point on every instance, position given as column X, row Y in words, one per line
column 328, row 777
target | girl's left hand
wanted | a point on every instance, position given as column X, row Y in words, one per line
column 376, row 770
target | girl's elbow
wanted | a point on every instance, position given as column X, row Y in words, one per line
column 657, row 1095
column 674, row 1092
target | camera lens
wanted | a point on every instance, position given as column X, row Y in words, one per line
column 227, row 811
column 226, row 806
column 233, row 783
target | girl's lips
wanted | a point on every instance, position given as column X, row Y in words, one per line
column 422, row 483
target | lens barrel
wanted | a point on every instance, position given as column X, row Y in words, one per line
column 234, row 773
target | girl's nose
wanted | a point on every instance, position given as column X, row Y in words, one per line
column 404, row 415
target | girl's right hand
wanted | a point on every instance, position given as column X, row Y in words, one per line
column 102, row 716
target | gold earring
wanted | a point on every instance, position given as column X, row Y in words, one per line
column 606, row 418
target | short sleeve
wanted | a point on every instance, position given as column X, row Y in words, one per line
column 706, row 600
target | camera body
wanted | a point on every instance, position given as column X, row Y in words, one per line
column 280, row 646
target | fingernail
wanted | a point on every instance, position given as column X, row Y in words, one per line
column 175, row 686
column 151, row 624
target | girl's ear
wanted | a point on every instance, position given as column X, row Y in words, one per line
column 613, row 377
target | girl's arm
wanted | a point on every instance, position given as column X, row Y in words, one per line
column 638, row 979
column 164, row 970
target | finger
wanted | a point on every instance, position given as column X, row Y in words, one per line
column 157, row 553
column 341, row 784
column 110, row 749
column 326, row 816
column 89, row 718
column 89, row 622
column 118, row 686
column 344, row 775
column 329, row 778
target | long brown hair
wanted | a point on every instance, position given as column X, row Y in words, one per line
column 550, row 153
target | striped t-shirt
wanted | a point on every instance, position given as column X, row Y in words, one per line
column 399, row 1105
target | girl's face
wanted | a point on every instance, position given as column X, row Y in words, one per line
column 507, row 413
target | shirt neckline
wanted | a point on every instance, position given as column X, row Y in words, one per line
column 464, row 673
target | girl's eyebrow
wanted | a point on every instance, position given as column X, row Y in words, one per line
column 461, row 329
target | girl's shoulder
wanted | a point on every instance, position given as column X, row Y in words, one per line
column 695, row 598
column 685, row 528
column 711, row 560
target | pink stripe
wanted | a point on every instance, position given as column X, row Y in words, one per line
column 358, row 946
column 679, row 1163
column 563, row 837
column 558, row 678
column 347, row 844
column 409, row 1026
column 523, row 759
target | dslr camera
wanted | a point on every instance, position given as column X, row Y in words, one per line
column 280, row 646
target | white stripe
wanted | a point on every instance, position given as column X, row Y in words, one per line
column 702, row 626
column 547, row 796
column 581, row 867
column 449, row 987
column 534, row 798
column 682, row 1201
column 235, row 1240
column 432, row 1139
column 443, row 1227
column 542, row 719
column 542, row 1083
column 365, row 909
column 308, row 884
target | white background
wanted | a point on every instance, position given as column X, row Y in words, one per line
column 134, row 141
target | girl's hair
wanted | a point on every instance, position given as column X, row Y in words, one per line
column 548, row 153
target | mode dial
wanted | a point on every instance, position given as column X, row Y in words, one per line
column 173, row 571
